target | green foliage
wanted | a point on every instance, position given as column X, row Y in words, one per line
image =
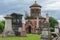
column 52, row 22
column 2, row 24
column 52, row 30
column 28, row 17
column 3, row 21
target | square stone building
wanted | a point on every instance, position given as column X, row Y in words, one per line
column 17, row 23
column 35, row 21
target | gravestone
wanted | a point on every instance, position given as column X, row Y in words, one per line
column 8, row 26
column 45, row 31
column 56, row 29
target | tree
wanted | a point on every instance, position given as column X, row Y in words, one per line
column 26, row 15
column 29, row 16
column 52, row 22
column 2, row 24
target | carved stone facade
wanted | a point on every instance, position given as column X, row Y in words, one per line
column 32, row 24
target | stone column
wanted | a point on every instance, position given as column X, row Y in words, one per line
column 37, row 28
column 8, row 27
column 23, row 33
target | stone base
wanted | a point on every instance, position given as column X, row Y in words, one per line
column 37, row 31
column 23, row 33
column 8, row 34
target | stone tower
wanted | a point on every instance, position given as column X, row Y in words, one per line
column 33, row 23
column 35, row 10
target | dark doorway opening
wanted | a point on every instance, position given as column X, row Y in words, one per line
column 29, row 29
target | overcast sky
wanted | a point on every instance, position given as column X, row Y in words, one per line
column 52, row 7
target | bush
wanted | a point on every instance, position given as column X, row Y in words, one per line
column 52, row 22
column 2, row 24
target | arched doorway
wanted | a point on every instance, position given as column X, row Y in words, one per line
column 29, row 29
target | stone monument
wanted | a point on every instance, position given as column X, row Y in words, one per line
column 45, row 29
column 8, row 26
column 57, row 29
column 45, row 32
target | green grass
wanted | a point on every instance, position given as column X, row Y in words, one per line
column 29, row 37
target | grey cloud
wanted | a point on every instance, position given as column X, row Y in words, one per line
column 21, row 6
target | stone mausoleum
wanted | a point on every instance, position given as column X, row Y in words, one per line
column 13, row 25
column 34, row 22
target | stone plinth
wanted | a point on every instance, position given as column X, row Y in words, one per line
column 57, row 29
column 37, row 30
column 8, row 31
column 23, row 33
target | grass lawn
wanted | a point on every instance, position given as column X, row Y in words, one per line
column 29, row 37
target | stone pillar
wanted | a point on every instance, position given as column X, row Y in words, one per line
column 45, row 32
column 47, row 17
column 37, row 28
column 23, row 33
column 8, row 27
